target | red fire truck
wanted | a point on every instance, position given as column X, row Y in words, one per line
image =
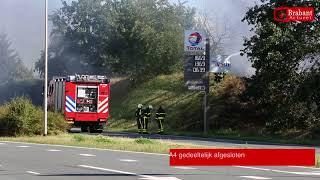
column 83, row 99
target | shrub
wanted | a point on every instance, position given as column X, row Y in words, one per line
column 56, row 123
column 228, row 109
column 3, row 123
column 231, row 86
column 21, row 117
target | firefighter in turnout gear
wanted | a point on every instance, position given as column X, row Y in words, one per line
column 146, row 116
column 219, row 77
column 160, row 115
column 139, row 116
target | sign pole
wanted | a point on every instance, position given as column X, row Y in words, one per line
column 205, row 125
column 205, row 100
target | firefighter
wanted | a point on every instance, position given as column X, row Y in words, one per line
column 139, row 115
column 146, row 116
column 160, row 115
column 219, row 77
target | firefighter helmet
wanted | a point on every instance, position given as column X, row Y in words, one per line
column 140, row 105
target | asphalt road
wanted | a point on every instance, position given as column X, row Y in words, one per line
column 22, row 161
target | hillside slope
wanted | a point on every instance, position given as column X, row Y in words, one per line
column 184, row 108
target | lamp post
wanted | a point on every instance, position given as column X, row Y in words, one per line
column 45, row 93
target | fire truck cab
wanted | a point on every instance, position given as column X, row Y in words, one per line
column 83, row 99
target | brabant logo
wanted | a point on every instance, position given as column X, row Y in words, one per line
column 289, row 14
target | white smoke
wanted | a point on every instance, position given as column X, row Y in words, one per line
column 23, row 21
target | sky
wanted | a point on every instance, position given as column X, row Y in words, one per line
column 23, row 21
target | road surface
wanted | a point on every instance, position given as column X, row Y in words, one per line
column 23, row 161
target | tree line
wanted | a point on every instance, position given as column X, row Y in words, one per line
column 11, row 65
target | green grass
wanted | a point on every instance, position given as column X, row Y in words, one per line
column 143, row 141
column 79, row 138
column 104, row 142
column 165, row 90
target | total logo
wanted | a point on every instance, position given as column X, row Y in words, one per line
column 195, row 38
column 194, row 41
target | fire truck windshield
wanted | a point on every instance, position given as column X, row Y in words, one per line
column 87, row 97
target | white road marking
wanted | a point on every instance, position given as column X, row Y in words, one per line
column 145, row 177
column 128, row 160
column 32, row 172
column 254, row 177
column 23, row 146
column 160, row 178
column 53, row 150
column 314, row 173
column 75, row 147
column 184, row 167
column 87, row 155
column 255, row 168
column 298, row 173
column 304, row 167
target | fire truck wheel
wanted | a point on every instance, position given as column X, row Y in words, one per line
column 95, row 129
column 84, row 128
column 92, row 129
column 99, row 131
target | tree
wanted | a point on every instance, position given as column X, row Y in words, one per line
column 11, row 66
column 277, row 51
column 139, row 38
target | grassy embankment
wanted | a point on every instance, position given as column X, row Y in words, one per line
column 165, row 90
column 184, row 109
column 116, row 143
